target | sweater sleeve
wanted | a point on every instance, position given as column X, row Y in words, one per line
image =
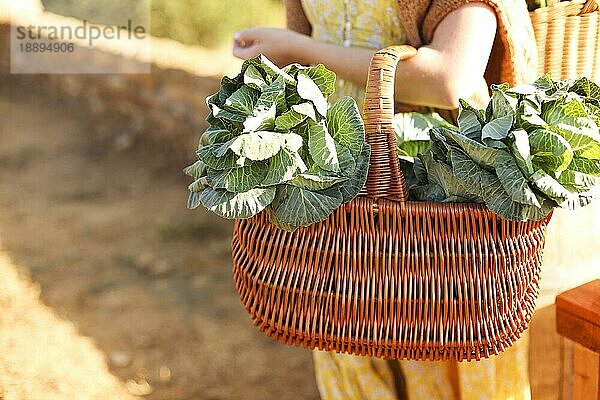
column 296, row 18
column 514, row 53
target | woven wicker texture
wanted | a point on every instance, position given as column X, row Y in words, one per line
column 387, row 277
column 567, row 39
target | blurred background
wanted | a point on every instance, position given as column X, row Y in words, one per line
column 194, row 22
column 109, row 287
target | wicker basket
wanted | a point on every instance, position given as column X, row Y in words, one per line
column 387, row 277
column 567, row 39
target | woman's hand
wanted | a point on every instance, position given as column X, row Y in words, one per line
column 281, row 46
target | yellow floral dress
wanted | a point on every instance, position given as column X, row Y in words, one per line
column 374, row 24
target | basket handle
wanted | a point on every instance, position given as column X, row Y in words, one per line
column 385, row 178
column 589, row 6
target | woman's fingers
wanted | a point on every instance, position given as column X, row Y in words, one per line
column 245, row 33
column 275, row 43
column 244, row 43
column 245, row 52
column 246, row 37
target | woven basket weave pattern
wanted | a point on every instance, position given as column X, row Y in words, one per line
column 387, row 277
column 419, row 283
column 567, row 39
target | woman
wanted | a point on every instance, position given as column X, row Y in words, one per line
column 463, row 46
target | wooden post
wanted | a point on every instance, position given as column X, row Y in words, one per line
column 578, row 319
column 586, row 373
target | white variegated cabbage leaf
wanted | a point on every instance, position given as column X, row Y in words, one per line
column 275, row 143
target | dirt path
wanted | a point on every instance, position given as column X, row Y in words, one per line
column 136, row 291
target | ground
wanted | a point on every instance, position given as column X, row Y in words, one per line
column 109, row 286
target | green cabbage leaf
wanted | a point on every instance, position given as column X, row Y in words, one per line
column 275, row 143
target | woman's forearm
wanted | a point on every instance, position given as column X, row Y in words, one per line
column 349, row 63
column 419, row 80
column 449, row 68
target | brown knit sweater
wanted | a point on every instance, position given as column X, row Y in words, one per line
column 513, row 58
